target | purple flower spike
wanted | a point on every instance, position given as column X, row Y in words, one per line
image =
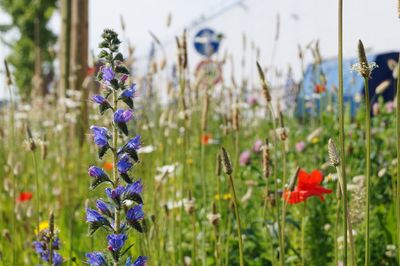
column 134, row 143
column 100, row 135
column 140, row 261
column 123, row 78
column 116, row 242
column 108, row 74
column 135, row 214
column 57, row 259
column 95, row 171
column 129, row 93
column 99, row 99
column 93, row 216
column 96, row 259
column 123, row 116
column 124, row 164
column 115, row 193
column 134, row 188
column 103, row 207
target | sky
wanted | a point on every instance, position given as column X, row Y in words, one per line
column 375, row 22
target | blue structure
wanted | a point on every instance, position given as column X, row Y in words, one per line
column 353, row 84
column 206, row 42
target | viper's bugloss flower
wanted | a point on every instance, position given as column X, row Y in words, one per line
column 115, row 193
column 129, row 93
column 24, row 196
column 42, row 248
column 100, row 135
column 124, row 164
column 134, row 188
column 96, row 259
column 123, row 78
column 116, row 241
column 93, row 216
column 308, row 185
column 103, row 207
column 57, row 259
column 108, row 74
column 134, row 143
column 99, row 99
column 95, row 171
column 135, row 214
column 104, row 105
column 123, row 116
column 140, row 261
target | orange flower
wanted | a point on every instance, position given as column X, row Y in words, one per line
column 205, row 139
column 319, row 88
column 308, row 185
column 108, row 166
column 24, row 196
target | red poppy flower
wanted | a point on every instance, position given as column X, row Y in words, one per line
column 205, row 139
column 24, row 196
column 319, row 88
column 308, row 185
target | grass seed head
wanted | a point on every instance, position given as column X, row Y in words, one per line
column 333, row 154
column 226, row 161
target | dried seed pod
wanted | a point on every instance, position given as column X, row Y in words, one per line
column 293, row 180
column 31, row 145
column 365, row 71
column 235, row 116
column 333, row 154
column 8, row 74
column 219, row 165
column 226, row 161
column 51, row 223
column 265, row 159
column 43, row 148
column 264, row 85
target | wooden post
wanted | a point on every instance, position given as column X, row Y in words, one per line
column 79, row 57
column 65, row 46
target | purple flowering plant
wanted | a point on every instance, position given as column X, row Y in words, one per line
column 47, row 244
column 123, row 208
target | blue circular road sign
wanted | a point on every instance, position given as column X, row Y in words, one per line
column 206, row 42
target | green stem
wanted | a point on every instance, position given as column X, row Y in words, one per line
column 368, row 168
column 398, row 157
column 341, row 125
column 239, row 229
column 337, row 231
column 284, row 203
column 277, row 199
column 37, row 192
column 303, row 229
column 115, row 169
column 14, row 183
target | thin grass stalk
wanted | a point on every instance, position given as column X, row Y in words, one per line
column 284, row 204
column 368, row 169
column 194, row 242
column 337, row 227
column 277, row 199
column 239, row 229
column 37, row 188
column 9, row 84
column 398, row 153
column 228, row 170
column 341, row 126
column 303, row 232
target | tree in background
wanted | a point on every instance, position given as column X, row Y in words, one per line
column 31, row 57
